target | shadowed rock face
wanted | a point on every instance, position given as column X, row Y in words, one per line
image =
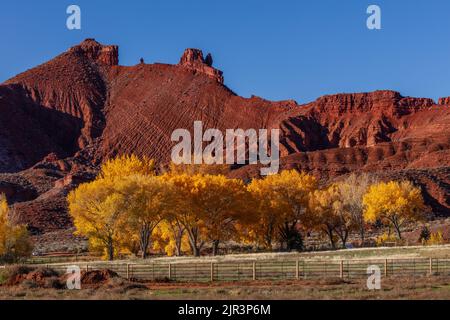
column 61, row 120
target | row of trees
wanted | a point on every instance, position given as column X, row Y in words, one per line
column 129, row 208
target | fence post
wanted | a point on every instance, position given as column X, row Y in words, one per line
column 341, row 269
column 304, row 270
column 254, row 270
column 170, row 271
column 431, row 266
column 386, row 268
column 297, row 270
column 128, row 271
column 212, row 271
column 87, row 267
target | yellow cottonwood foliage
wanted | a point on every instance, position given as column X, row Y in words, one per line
column 207, row 206
column 220, row 203
column 394, row 204
column 436, row 238
column 183, row 208
column 148, row 200
column 170, row 237
column 385, row 238
column 194, row 169
column 127, row 165
column 99, row 208
column 325, row 212
column 281, row 200
column 14, row 239
column 97, row 211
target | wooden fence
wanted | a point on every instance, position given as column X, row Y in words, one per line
column 268, row 269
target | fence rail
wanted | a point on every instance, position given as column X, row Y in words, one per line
column 267, row 269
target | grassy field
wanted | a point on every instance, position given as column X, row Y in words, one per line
column 433, row 288
column 442, row 251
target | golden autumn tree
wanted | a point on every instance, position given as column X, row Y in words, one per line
column 98, row 208
column 97, row 211
column 194, row 169
column 148, row 199
column 183, row 209
column 126, row 165
column 15, row 243
column 394, row 204
column 220, row 203
column 324, row 213
column 282, row 201
column 170, row 237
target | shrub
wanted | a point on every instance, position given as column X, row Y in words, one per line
column 386, row 238
column 29, row 284
column 436, row 238
column 424, row 235
column 54, row 283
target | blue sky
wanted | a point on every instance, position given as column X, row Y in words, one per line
column 275, row 49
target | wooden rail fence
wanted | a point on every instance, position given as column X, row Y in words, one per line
column 267, row 269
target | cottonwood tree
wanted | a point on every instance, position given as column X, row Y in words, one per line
column 323, row 212
column 127, row 165
column 98, row 207
column 15, row 242
column 97, row 211
column 184, row 210
column 282, row 203
column 194, row 169
column 170, row 237
column 352, row 191
column 220, row 202
column 148, row 200
column 394, row 204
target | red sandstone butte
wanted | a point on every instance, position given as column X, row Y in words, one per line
column 61, row 120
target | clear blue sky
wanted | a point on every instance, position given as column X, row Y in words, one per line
column 275, row 49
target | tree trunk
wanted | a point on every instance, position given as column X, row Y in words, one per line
column 177, row 249
column 397, row 227
column 178, row 241
column 399, row 232
column 195, row 251
column 344, row 237
column 178, row 232
column 110, row 250
column 330, row 236
column 145, row 240
column 193, row 235
column 362, row 235
column 215, row 247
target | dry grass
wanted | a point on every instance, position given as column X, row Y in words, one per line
column 433, row 288
column 436, row 252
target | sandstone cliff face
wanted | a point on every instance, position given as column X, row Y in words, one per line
column 94, row 51
column 70, row 86
column 193, row 59
column 444, row 101
column 60, row 120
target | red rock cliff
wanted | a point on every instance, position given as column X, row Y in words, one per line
column 193, row 60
